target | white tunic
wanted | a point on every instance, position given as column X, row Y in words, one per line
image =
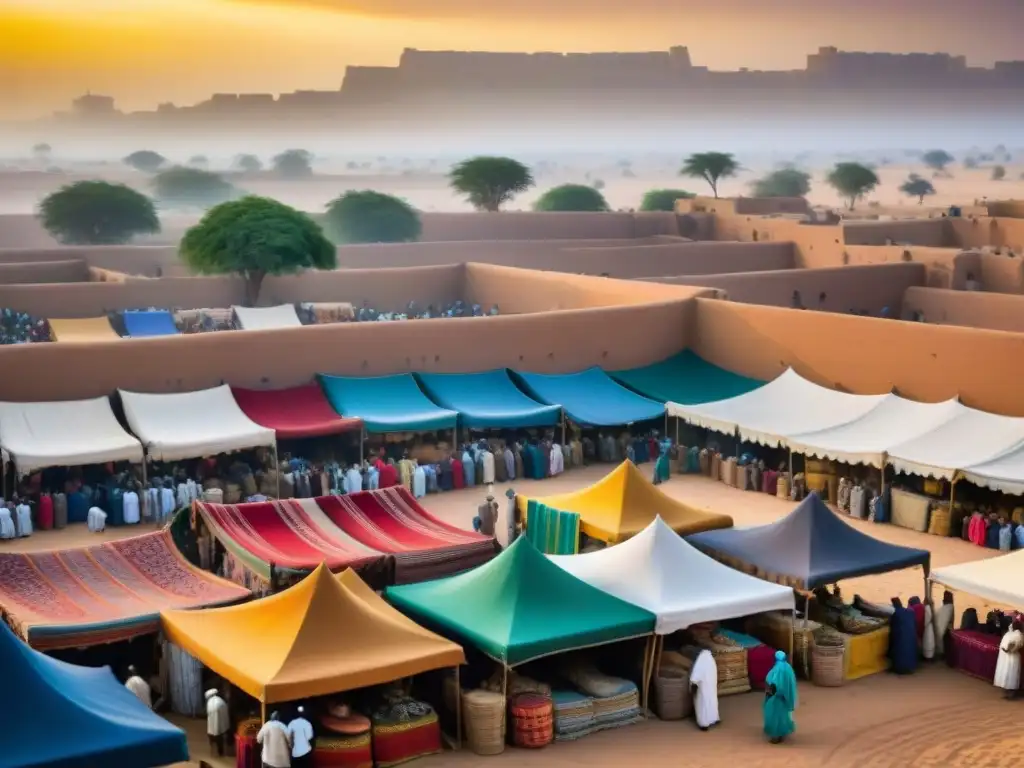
column 276, row 741
column 1008, row 666
column 166, row 504
column 96, row 519
column 183, row 497
column 7, row 529
column 557, row 460
column 131, row 508
column 487, row 460
column 943, row 621
column 140, row 688
column 705, row 702
column 217, row 721
column 24, row 512
column 302, row 734
column 928, row 638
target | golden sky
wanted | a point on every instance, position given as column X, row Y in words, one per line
column 144, row 52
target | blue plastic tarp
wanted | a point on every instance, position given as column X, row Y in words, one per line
column 810, row 547
column 687, row 379
column 488, row 400
column 64, row 716
column 149, row 323
column 386, row 403
column 591, row 397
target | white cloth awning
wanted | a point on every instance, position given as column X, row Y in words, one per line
column 970, row 438
column 1005, row 473
column 788, row 405
column 266, row 318
column 998, row 580
column 64, row 434
column 866, row 440
column 658, row 571
column 186, row 425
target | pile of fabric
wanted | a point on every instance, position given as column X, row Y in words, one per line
column 22, row 328
column 366, row 313
column 574, row 715
column 760, row 657
column 616, row 701
column 974, row 647
column 994, row 529
column 204, row 320
column 403, row 729
column 552, row 531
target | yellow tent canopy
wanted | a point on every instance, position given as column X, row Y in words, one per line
column 324, row 635
column 623, row 503
column 82, row 329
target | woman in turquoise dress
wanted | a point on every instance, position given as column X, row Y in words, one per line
column 779, row 700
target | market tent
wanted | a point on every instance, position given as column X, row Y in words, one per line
column 1005, row 474
column 487, row 400
column 999, row 580
column 65, row 716
column 679, row 584
column 521, row 606
column 623, row 503
column 867, row 439
column 185, row 425
column 787, row 405
column 685, row 378
column 64, row 434
column 968, row 439
column 294, row 412
column 590, row 397
column 386, row 403
column 324, row 635
column 143, row 323
column 810, row 547
column 82, row 330
column 266, row 318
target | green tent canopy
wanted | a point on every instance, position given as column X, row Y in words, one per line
column 521, row 606
column 685, row 378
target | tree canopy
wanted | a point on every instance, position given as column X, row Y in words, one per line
column 663, row 199
column 372, row 217
column 710, row 166
column 199, row 161
column 255, row 237
column 191, row 188
column 852, row 181
column 294, row 164
column 42, row 150
column 998, row 173
column 248, row 163
column 783, row 182
column 917, row 187
column 97, row 213
column 145, row 160
column 490, row 182
column 571, row 197
column 937, row 159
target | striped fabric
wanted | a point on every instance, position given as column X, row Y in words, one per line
column 552, row 531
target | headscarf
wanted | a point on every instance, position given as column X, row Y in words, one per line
column 784, row 680
column 210, row 693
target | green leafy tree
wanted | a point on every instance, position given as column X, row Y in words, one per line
column 710, row 166
column 255, row 237
column 852, row 181
column 571, row 197
column 372, row 217
column 998, row 173
column 490, row 182
column 937, row 159
column 97, row 213
column 145, row 160
column 917, row 187
column 294, row 164
column 248, row 164
column 784, row 182
column 663, row 199
column 191, row 188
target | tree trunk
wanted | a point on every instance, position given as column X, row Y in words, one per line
column 920, row 200
column 714, row 189
column 853, row 202
column 253, row 283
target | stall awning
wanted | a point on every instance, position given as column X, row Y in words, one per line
column 1004, row 474
column 294, row 412
column 386, row 403
column 185, row 425
column 64, row 434
column 266, row 318
column 487, row 400
column 997, row 580
column 591, row 397
column 686, row 378
column 142, row 324
column 82, row 330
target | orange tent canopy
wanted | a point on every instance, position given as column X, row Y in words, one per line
column 324, row 635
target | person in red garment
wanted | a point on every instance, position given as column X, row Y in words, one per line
column 388, row 475
column 458, row 473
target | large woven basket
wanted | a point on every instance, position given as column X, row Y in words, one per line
column 483, row 717
column 828, row 665
column 774, row 630
column 940, row 522
column 672, row 699
column 532, row 720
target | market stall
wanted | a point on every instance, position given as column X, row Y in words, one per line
column 82, row 330
column 685, row 378
column 387, row 403
column 590, row 398
column 487, row 400
column 294, row 412
column 266, row 318
column 140, row 324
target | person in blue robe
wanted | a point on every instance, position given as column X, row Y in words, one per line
column 662, row 465
column 780, row 698
column 902, row 639
column 468, row 467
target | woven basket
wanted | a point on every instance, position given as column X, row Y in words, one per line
column 672, row 699
column 828, row 665
column 782, row 489
column 774, row 630
column 940, row 522
column 483, row 717
column 532, row 720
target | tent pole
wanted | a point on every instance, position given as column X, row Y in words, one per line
column 952, row 498
column 665, row 433
column 881, row 472
column 143, row 496
column 646, row 672
column 792, row 633
column 277, row 469
column 362, row 445
column 455, row 440
column 807, row 608
column 263, row 712
column 563, row 427
column 504, row 701
column 458, row 708
column 791, row 471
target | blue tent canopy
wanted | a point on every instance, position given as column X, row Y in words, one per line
column 810, row 547
column 591, row 398
column 687, row 379
column 65, row 716
column 386, row 403
column 487, row 400
column 139, row 324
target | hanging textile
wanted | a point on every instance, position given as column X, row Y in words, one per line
column 185, row 679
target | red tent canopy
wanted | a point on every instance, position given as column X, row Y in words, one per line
column 294, row 412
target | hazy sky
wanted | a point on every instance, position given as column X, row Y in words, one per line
column 143, row 52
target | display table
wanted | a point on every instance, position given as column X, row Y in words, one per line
column 910, row 510
column 866, row 654
column 975, row 653
column 398, row 742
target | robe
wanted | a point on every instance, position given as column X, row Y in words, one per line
column 704, row 675
column 520, row 465
column 928, row 638
column 419, row 483
column 166, row 503
column 903, row 641
column 780, row 699
column 458, row 478
column 183, row 497
column 217, row 719
column 130, row 502
column 487, row 463
column 24, row 513
column 942, row 622
column 140, row 688
column 353, row 481
column 46, row 512
column 1008, row 665
column 405, row 469
column 468, row 469
column 510, row 464
column 556, row 462
column 7, row 528
column 500, row 466
column 444, row 475
column 389, row 476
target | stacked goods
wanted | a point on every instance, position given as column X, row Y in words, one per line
column 532, row 718
column 616, row 701
column 483, row 718
column 760, row 657
column 574, row 715
column 775, row 629
column 672, row 699
column 941, row 520
column 730, row 659
column 403, row 730
column 728, row 471
column 345, row 740
column 782, row 485
column 828, row 649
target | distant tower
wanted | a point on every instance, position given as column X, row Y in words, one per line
column 679, row 55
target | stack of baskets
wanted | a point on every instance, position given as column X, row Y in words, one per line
column 828, row 656
column 940, row 522
column 730, row 659
column 532, row 720
column 775, row 630
column 672, row 699
column 483, row 717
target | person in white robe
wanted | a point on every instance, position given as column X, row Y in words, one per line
column 487, row 460
column 96, row 519
column 131, row 507
column 419, row 481
column 1008, row 665
column 556, row 461
column 276, row 743
column 704, row 687
column 510, row 463
column 353, row 479
column 24, row 515
column 928, row 637
column 139, row 687
column 218, row 722
column 7, row 527
column 942, row 622
column 301, row 732
column 167, row 501
column 183, row 497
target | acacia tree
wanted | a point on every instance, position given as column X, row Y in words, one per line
column 145, row 160
column 372, row 217
column 710, row 166
column 783, row 182
column 490, row 182
column 852, row 181
column 663, row 199
column 937, row 159
column 191, row 188
column 572, row 197
column 248, row 163
column 998, row 173
column 294, row 164
column 97, row 213
column 915, row 186
column 254, row 237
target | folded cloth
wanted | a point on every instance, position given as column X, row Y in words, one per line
column 595, row 683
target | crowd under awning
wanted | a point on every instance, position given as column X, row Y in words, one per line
column 387, row 403
column 591, row 398
column 266, row 318
column 685, row 378
column 185, row 425
column 487, row 400
column 998, row 580
column 82, row 330
column 294, row 412
column 140, row 324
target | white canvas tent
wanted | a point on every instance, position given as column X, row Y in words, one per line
column 1005, row 473
column 186, row 425
column 64, row 434
column 266, row 318
column 866, row 440
column 970, row 438
column 658, row 571
column 788, row 405
column 999, row 580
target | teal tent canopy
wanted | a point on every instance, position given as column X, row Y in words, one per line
column 687, row 379
column 488, row 400
column 590, row 397
column 386, row 403
column 520, row 606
